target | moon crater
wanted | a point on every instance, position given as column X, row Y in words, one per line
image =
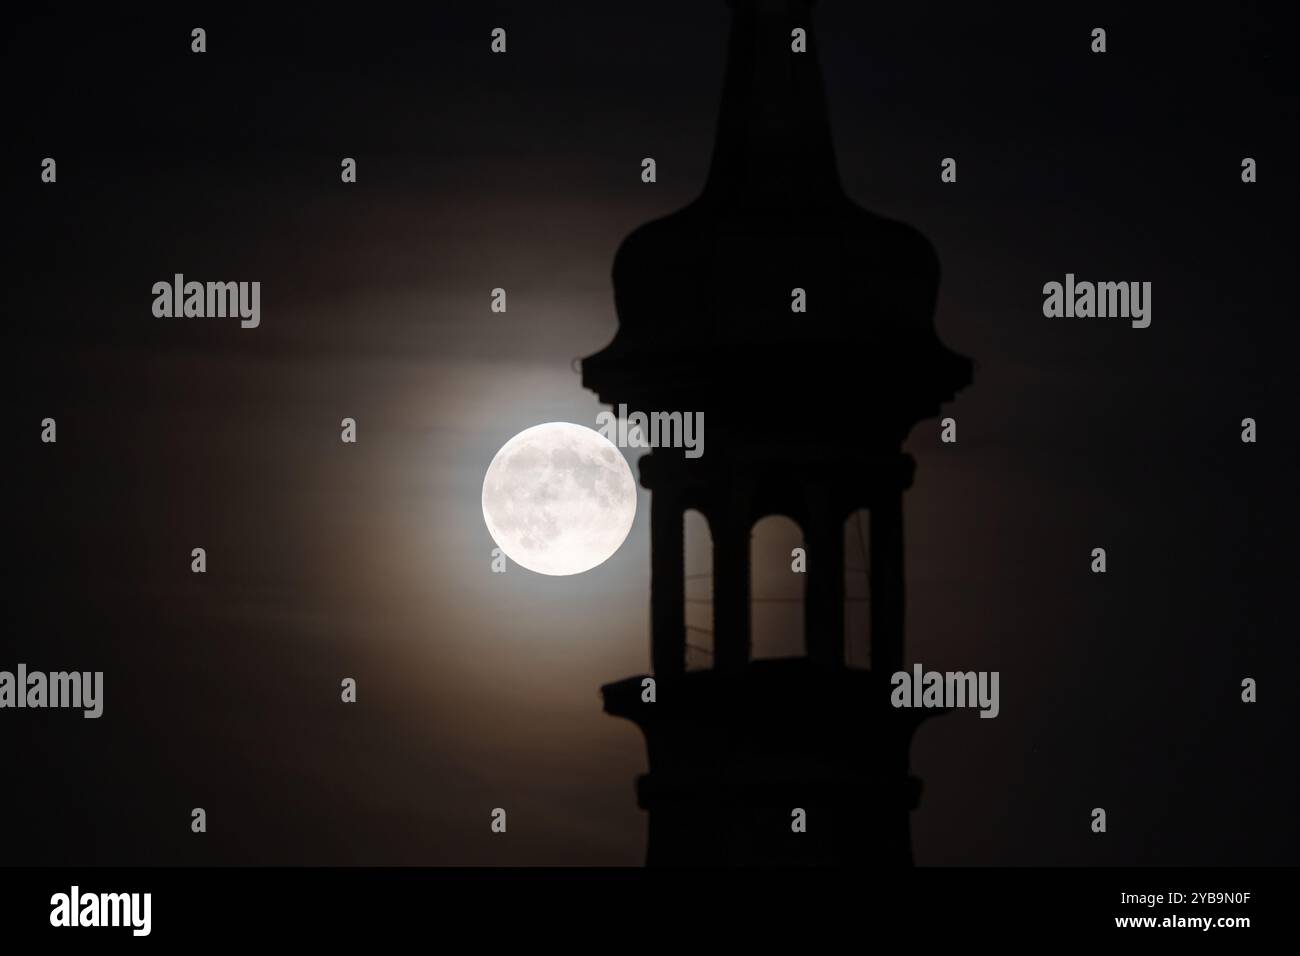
column 559, row 498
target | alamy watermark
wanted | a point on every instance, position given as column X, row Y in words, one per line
column 655, row 430
column 946, row 689
column 1124, row 300
column 75, row 908
column 208, row 300
column 81, row 690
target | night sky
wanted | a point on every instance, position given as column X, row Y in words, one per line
column 371, row 561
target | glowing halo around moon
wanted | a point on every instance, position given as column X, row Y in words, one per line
column 559, row 498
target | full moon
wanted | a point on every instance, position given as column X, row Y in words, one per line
column 559, row 498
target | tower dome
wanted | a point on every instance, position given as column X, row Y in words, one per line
column 704, row 295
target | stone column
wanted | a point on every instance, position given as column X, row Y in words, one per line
column 887, row 583
column 667, row 585
column 731, row 530
column 824, row 594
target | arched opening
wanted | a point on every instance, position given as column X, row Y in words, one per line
column 777, row 581
column 857, row 589
column 698, row 589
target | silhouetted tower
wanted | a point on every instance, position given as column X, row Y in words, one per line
column 805, row 416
